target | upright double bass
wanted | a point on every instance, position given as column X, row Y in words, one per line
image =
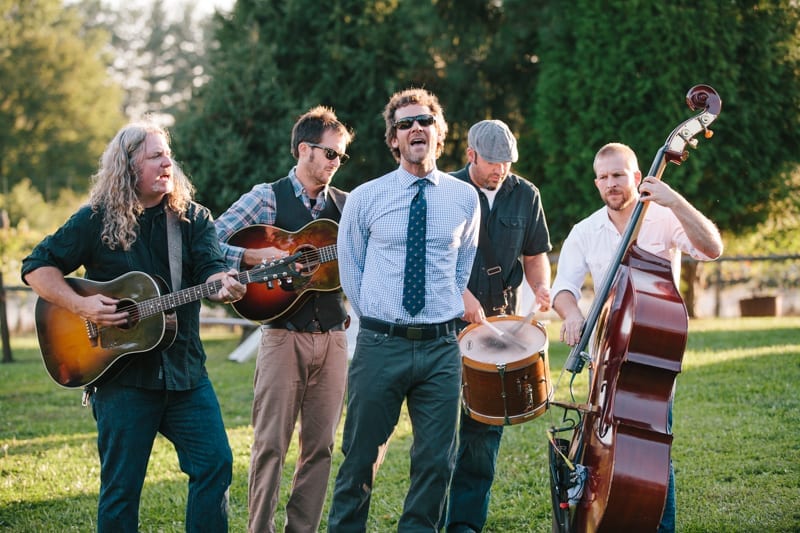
column 609, row 457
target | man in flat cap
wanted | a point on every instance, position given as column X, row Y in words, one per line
column 513, row 244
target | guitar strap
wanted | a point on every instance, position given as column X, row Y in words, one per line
column 174, row 245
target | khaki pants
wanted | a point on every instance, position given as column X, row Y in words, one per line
column 297, row 375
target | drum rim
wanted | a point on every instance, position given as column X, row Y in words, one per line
column 517, row 364
column 492, row 420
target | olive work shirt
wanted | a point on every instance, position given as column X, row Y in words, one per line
column 516, row 227
column 77, row 243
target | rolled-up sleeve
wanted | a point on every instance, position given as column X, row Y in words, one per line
column 256, row 206
column 69, row 247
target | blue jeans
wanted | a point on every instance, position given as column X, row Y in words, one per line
column 667, row 524
column 471, row 486
column 386, row 371
column 128, row 420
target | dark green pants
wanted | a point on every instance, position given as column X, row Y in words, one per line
column 385, row 372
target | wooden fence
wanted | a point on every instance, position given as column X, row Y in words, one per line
column 761, row 291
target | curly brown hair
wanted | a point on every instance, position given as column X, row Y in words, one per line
column 410, row 97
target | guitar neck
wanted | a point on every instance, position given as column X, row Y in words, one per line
column 175, row 299
column 262, row 273
column 172, row 300
column 327, row 253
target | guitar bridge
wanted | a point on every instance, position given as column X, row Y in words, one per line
column 92, row 332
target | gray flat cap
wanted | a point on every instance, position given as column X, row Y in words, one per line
column 493, row 141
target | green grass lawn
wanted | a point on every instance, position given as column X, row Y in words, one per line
column 736, row 448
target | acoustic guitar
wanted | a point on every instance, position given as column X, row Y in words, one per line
column 77, row 352
column 314, row 270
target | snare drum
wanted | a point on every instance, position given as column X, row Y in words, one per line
column 505, row 378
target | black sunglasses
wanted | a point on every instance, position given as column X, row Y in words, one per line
column 330, row 153
column 406, row 122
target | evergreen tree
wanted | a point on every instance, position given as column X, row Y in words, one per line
column 619, row 70
column 236, row 130
column 488, row 50
column 275, row 61
column 57, row 107
column 157, row 55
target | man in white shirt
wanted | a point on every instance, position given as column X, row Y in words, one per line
column 671, row 225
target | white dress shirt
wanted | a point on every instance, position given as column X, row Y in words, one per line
column 592, row 243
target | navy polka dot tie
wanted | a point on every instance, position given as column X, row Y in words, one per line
column 414, row 276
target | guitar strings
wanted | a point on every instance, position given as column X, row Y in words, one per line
column 137, row 310
column 134, row 312
column 313, row 256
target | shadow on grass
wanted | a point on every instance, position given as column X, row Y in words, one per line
column 735, row 449
column 162, row 509
column 34, row 405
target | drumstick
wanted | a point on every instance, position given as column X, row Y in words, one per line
column 527, row 319
column 501, row 334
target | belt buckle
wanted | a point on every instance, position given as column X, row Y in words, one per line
column 414, row 334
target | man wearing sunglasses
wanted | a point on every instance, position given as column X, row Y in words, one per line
column 514, row 242
column 406, row 348
column 302, row 360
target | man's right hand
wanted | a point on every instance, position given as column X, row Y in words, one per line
column 473, row 312
column 572, row 328
column 101, row 310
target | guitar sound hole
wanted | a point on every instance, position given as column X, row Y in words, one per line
column 309, row 262
column 128, row 306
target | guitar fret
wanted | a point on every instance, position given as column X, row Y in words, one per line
column 175, row 299
column 327, row 253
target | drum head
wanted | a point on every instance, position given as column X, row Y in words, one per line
column 519, row 340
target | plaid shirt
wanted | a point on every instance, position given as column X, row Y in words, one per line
column 258, row 206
